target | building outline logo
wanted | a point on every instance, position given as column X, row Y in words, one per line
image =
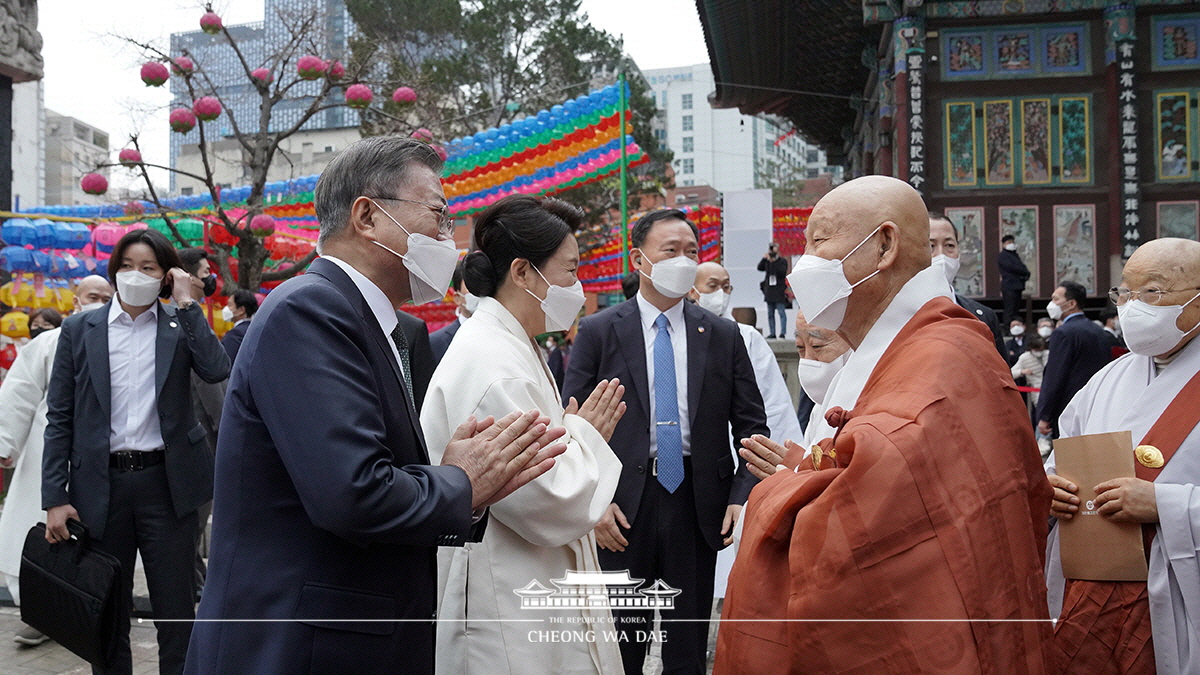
column 612, row 590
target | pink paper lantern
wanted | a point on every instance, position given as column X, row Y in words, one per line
column 311, row 67
column 441, row 152
column 182, row 120
column 404, row 95
column 94, row 184
column 336, row 70
column 155, row 74
column 262, row 76
column 210, row 23
column 182, row 65
column 129, row 157
column 262, row 225
column 358, row 96
column 207, row 108
column 423, row 134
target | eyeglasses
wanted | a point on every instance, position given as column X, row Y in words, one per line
column 1120, row 296
column 445, row 221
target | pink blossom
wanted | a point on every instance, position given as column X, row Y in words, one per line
column 358, row 96
column 154, row 74
column 207, row 108
column 210, row 23
column 129, row 157
column 310, row 67
column 182, row 120
column 404, row 95
column 94, row 184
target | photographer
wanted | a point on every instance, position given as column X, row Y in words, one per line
column 774, row 288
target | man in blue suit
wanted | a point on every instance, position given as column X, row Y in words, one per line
column 124, row 453
column 327, row 516
column 688, row 379
column 1078, row 349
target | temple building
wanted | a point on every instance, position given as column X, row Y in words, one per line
column 1070, row 124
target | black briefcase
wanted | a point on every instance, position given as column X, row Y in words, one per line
column 71, row 592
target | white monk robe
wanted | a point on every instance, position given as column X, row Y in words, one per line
column 1127, row 395
column 537, row 533
column 781, row 420
column 22, row 425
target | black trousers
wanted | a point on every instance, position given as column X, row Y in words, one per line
column 141, row 518
column 1012, row 304
column 665, row 543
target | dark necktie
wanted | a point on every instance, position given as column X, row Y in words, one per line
column 666, row 410
column 405, row 363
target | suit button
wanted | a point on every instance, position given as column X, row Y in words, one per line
column 641, row 469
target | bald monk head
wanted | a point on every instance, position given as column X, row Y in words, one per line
column 91, row 290
column 888, row 218
column 817, row 344
column 712, row 288
column 1173, row 267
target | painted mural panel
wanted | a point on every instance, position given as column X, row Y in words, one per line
column 1075, row 244
column 1179, row 219
column 1075, row 135
column 1065, row 50
column 960, row 144
column 1035, row 141
column 1014, row 51
column 998, row 142
column 1174, row 136
column 964, row 54
column 1175, row 41
column 969, row 221
column 1022, row 223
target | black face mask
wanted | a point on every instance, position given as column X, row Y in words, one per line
column 34, row 332
column 210, row 285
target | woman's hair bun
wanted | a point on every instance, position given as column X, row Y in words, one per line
column 478, row 274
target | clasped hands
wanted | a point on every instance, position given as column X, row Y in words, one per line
column 500, row 456
column 1124, row 500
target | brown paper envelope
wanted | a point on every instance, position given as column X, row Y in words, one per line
column 1092, row 546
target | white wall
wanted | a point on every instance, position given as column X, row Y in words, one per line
column 28, row 145
column 747, row 220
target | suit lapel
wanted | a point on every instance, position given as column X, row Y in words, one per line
column 631, row 342
column 164, row 345
column 345, row 284
column 699, row 329
column 95, row 340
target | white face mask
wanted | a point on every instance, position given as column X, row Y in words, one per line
column 227, row 314
column 90, row 306
column 562, row 304
column 716, row 302
column 822, row 289
column 1045, row 331
column 430, row 263
column 815, row 376
column 1016, row 331
column 1010, row 247
column 673, row 277
column 470, row 302
column 1150, row 330
column 137, row 289
column 1054, row 310
column 949, row 266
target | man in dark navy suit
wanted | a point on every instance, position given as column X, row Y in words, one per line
column 464, row 303
column 239, row 310
column 688, row 379
column 1078, row 349
column 327, row 516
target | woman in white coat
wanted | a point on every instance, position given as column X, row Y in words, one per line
column 525, row 274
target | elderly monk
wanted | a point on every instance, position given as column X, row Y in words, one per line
column 913, row 539
column 1106, row 627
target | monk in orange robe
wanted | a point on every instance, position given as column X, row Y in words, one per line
column 910, row 540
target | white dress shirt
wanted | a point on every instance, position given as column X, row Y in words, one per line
column 678, row 332
column 377, row 300
column 131, row 349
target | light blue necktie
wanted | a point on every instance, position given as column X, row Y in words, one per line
column 666, row 410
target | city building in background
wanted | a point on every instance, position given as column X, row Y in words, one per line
column 321, row 137
column 723, row 148
column 73, row 148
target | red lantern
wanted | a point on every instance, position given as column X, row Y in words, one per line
column 155, row 74
column 94, row 184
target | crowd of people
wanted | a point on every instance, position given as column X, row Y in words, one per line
column 379, row 494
